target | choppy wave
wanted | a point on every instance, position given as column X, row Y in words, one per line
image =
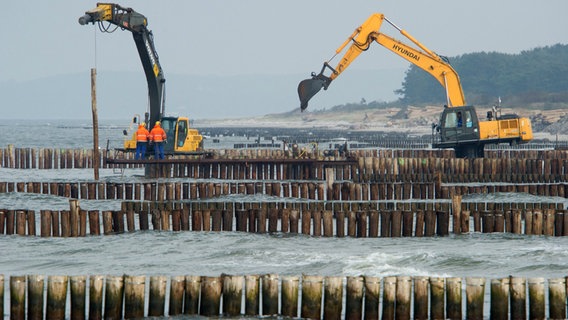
column 213, row 253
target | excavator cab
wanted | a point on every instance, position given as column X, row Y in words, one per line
column 459, row 129
column 181, row 138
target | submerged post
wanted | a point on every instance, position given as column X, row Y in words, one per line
column 252, row 302
column 500, row 289
column 56, row 297
column 354, row 297
column 270, row 294
column 78, row 285
column 157, row 300
column 232, row 294
column 95, row 123
column 96, row 285
column 36, row 284
column 537, row 307
column 211, row 289
column 177, row 285
column 333, row 295
column 475, row 288
column 114, row 296
column 134, row 287
column 1, row 294
column 518, row 297
column 191, row 299
column 290, row 295
column 17, row 297
column 557, row 298
column 372, row 297
column 311, row 296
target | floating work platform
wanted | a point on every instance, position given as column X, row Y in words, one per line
column 262, row 162
column 345, row 161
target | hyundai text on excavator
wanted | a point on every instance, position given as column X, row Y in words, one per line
column 182, row 139
column 459, row 126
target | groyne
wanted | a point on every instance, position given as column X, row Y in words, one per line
column 528, row 161
column 306, row 296
column 292, row 190
column 327, row 219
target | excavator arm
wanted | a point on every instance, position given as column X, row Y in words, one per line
column 128, row 19
column 361, row 40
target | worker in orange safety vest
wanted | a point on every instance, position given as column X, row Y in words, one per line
column 158, row 136
column 142, row 136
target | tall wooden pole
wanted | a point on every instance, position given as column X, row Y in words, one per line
column 95, row 122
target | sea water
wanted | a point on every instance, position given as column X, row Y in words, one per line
column 151, row 252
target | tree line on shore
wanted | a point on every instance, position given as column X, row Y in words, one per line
column 532, row 76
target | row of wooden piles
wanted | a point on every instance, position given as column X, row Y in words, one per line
column 306, row 296
column 372, row 169
column 254, row 218
column 367, row 164
column 287, row 190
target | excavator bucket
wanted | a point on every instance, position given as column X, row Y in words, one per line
column 307, row 89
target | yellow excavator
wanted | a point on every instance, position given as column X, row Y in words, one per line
column 459, row 126
column 182, row 139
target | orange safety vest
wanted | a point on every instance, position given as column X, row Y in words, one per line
column 158, row 134
column 142, row 134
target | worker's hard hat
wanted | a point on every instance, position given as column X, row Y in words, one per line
column 157, row 122
column 143, row 124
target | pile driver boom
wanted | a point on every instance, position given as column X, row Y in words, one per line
column 459, row 126
column 181, row 138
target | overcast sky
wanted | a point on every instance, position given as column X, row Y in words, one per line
column 43, row 38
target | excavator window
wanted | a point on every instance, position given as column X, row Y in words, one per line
column 468, row 121
column 451, row 120
column 170, row 130
column 182, row 133
column 456, row 119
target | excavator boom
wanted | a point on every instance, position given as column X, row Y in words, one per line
column 182, row 139
column 361, row 40
column 128, row 19
column 459, row 127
